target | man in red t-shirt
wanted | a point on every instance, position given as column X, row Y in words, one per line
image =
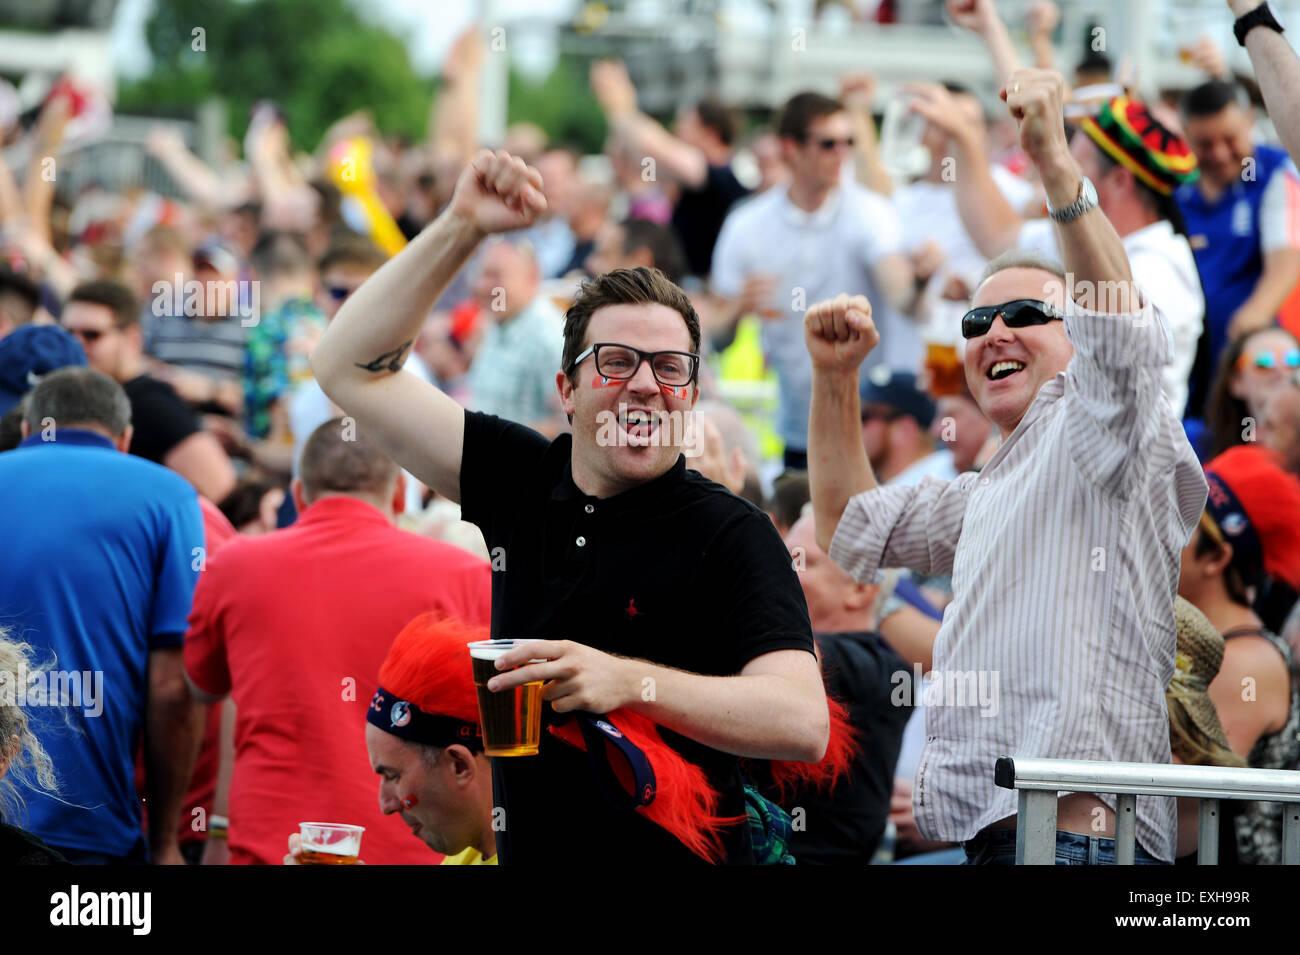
column 294, row 626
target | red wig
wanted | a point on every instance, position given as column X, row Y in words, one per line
column 428, row 665
column 686, row 804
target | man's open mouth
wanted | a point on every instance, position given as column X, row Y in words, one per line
column 639, row 425
column 1004, row 369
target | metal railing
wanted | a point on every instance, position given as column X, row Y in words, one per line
column 1039, row 780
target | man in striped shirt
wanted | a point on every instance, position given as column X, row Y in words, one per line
column 1063, row 550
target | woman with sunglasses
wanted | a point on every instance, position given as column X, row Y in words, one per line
column 1250, row 370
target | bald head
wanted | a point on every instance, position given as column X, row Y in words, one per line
column 338, row 459
column 836, row 602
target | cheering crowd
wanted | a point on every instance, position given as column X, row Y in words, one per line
column 273, row 453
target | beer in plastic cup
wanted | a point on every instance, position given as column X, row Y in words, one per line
column 510, row 720
column 329, row 843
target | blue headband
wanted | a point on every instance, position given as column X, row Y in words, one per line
column 407, row 721
column 1234, row 523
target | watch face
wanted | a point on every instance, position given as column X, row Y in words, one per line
column 1089, row 192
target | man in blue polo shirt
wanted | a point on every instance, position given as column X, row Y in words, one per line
column 1243, row 223
column 97, row 574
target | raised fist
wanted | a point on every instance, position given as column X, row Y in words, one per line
column 840, row 333
column 613, row 88
column 498, row 192
column 975, row 15
column 1036, row 100
column 1042, row 18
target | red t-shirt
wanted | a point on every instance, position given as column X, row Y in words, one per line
column 295, row 624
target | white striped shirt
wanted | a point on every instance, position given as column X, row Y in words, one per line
column 1064, row 553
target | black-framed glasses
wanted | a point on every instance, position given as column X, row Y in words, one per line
column 621, row 362
column 1016, row 314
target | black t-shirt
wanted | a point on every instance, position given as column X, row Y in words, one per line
column 160, row 418
column 844, row 828
column 18, row 847
column 677, row 571
column 699, row 214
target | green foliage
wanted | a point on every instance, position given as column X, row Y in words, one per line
column 317, row 58
column 561, row 104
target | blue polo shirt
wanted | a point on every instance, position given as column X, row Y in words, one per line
column 1231, row 235
column 97, row 569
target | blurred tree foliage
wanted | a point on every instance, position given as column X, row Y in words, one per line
column 317, row 58
column 561, row 104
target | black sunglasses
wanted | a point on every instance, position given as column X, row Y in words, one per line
column 87, row 335
column 827, row 143
column 1016, row 314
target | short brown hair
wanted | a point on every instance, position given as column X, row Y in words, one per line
column 717, row 116
column 801, row 110
column 114, row 296
column 349, row 248
column 639, row 286
column 340, row 459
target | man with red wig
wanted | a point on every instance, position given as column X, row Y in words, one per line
column 424, row 742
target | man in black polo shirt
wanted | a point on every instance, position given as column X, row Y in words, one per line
column 646, row 586
column 105, row 317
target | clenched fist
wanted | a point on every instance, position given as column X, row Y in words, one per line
column 840, row 333
column 498, row 192
column 1036, row 99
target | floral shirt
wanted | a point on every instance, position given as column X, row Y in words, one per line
column 275, row 359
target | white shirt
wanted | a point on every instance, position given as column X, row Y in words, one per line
column 1064, row 553
column 1164, row 268
column 937, row 464
column 928, row 210
column 814, row 255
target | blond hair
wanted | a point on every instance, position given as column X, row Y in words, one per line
column 30, row 764
column 1191, row 744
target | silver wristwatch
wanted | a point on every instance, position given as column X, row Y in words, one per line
column 1087, row 200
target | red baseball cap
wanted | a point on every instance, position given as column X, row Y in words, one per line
column 1256, row 505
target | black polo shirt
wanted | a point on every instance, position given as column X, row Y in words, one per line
column 677, row 571
column 844, row 826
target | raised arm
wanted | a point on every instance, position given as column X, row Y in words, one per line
column 190, row 172
column 839, row 334
column 857, row 91
column 359, row 359
column 993, row 225
column 981, row 18
column 453, row 123
column 1278, row 70
column 1091, row 250
column 617, row 97
column 1042, row 19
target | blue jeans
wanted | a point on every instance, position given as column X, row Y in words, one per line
column 998, row 847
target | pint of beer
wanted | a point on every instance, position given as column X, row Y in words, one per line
column 511, row 720
column 944, row 369
column 329, row 843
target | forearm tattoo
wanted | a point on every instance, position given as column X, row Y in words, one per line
column 389, row 360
